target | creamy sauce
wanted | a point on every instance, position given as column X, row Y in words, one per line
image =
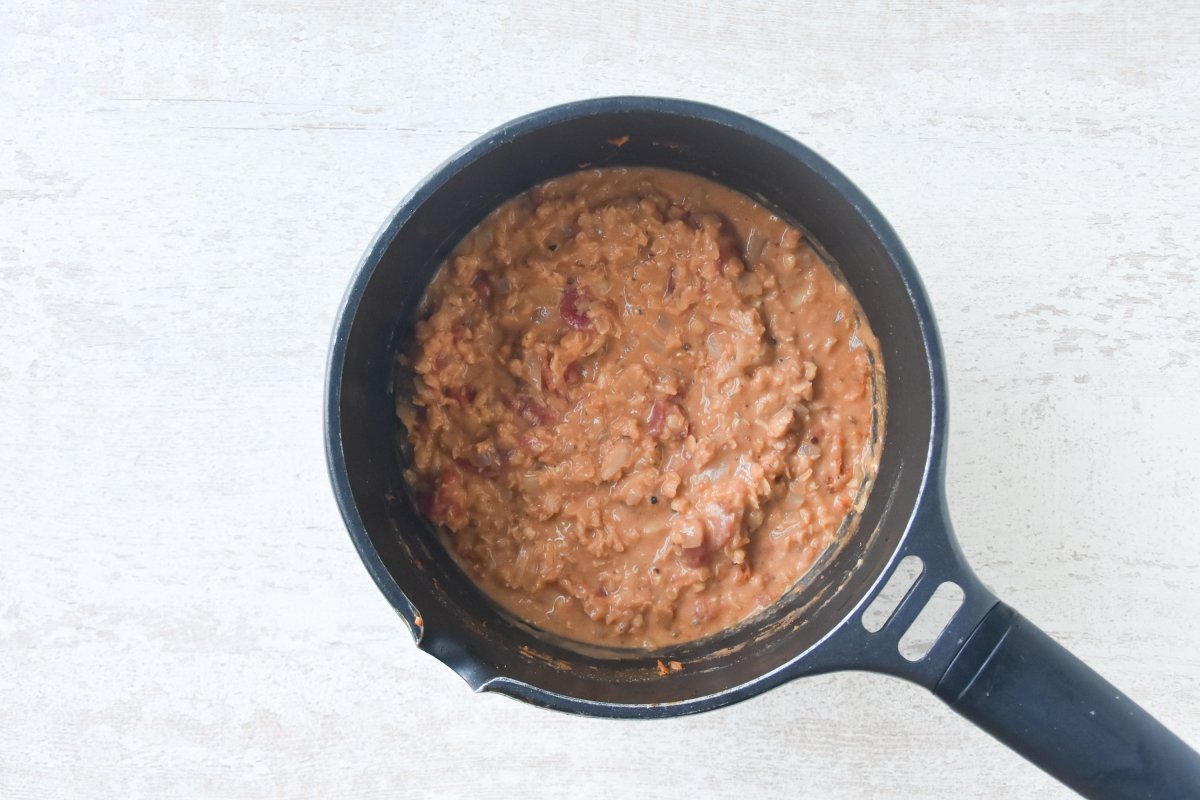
column 642, row 406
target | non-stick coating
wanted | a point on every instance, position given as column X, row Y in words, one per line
column 445, row 610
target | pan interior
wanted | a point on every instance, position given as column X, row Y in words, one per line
column 459, row 625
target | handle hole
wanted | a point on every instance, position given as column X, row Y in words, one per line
column 931, row 623
column 885, row 603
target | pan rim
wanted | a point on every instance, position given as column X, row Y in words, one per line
column 482, row 676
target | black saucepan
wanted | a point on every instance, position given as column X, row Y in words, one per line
column 989, row 663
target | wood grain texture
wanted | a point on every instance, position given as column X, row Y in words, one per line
column 184, row 189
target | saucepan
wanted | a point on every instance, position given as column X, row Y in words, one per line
column 989, row 663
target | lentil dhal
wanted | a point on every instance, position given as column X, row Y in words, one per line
column 641, row 406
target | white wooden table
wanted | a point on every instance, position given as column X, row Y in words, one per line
column 184, row 189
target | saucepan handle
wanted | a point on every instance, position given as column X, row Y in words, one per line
column 1028, row 691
